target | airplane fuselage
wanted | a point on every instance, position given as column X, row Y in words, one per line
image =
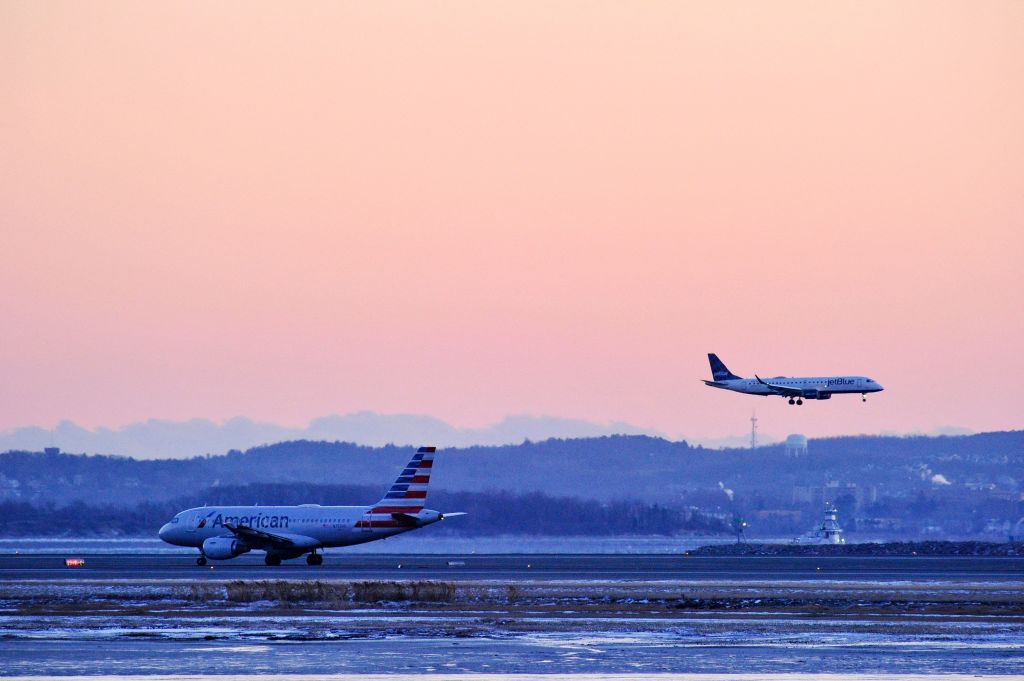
column 809, row 387
column 314, row 526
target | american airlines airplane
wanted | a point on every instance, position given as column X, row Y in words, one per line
column 285, row 532
column 797, row 389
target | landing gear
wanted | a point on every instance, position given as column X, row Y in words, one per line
column 863, row 397
column 272, row 560
column 792, row 401
column 314, row 559
column 201, row 560
column 799, row 401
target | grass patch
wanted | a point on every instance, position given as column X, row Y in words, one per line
column 323, row 593
column 283, row 591
column 424, row 592
column 201, row 592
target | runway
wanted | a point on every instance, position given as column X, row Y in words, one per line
column 532, row 567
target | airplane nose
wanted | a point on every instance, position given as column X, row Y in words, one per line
column 164, row 531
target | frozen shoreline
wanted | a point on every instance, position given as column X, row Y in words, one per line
column 467, row 627
column 498, row 607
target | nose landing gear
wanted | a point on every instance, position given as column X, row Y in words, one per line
column 201, row 560
column 863, row 397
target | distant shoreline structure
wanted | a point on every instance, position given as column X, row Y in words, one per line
column 972, row 549
column 166, row 439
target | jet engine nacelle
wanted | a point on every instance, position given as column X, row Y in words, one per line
column 222, row 548
column 815, row 394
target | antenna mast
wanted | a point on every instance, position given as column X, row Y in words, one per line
column 753, row 431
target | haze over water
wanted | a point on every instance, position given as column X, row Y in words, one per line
column 473, row 210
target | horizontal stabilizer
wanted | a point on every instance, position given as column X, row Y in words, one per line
column 406, row 519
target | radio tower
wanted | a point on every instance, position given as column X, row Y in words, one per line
column 753, row 431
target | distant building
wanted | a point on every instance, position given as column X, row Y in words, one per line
column 880, row 524
column 781, row 514
column 51, row 451
column 796, row 445
column 832, row 490
column 9, row 487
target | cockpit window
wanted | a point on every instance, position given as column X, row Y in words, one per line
column 174, row 519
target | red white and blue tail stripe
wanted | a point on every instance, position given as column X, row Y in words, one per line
column 407, row 495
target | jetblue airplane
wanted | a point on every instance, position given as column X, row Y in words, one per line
column 285, row 532
column 796, row 389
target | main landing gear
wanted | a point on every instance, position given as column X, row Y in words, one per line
column 273, row 560
column 201, row 560
column 314, row 559
column 796, row 401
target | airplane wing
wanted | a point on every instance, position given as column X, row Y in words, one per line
column 780, row 389
column 258, row 539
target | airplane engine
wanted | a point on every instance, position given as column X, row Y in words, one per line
column 815, row 394
column 222, row 548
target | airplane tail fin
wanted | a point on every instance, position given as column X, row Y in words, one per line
column 719, row 371
column 408, row 494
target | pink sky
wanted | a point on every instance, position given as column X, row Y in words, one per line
column 475, row 209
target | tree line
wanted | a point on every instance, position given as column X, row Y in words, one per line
column 487, row 512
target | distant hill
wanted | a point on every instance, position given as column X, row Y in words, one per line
column 598, row 468
column 961, row 486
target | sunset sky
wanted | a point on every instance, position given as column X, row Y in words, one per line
column 479, row 209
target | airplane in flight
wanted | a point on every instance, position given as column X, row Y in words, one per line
column 286, row 532
column 796, row 389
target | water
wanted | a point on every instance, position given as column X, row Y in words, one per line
column 577, row 655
